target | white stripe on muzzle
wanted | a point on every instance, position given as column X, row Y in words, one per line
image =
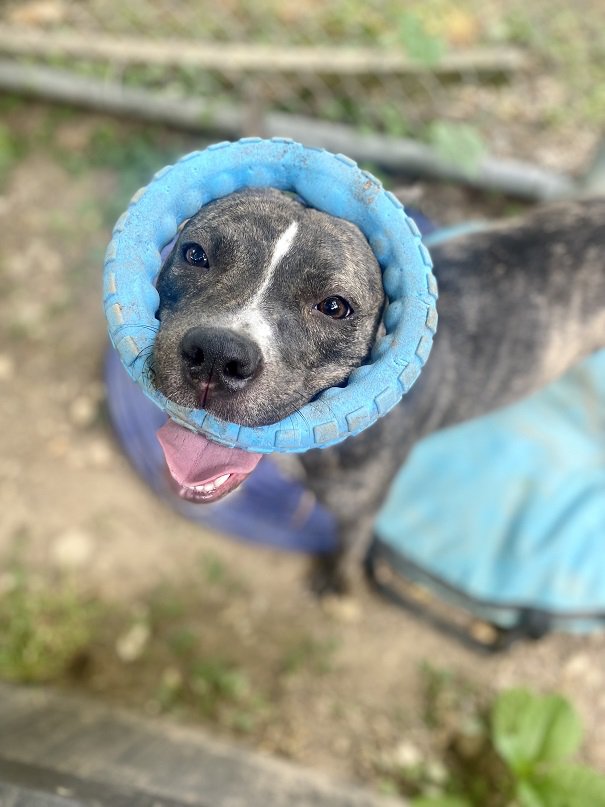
column 250, row 319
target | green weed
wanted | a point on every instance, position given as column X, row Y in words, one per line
column 516, row 751
column 199, row 678
column 10, row 153
column 309, row 653
column 43, row 630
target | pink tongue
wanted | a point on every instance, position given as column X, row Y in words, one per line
column 194, row 460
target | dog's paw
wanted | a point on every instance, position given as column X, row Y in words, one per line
column 336, row 576
column 327, row 577
column 331, row 580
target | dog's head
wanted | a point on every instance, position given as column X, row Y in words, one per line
column 264, row 303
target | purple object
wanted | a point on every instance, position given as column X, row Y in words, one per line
column 268, row 508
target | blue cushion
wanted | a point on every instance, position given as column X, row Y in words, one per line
column 508, row 510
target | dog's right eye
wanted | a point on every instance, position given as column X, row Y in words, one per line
column 195, row 256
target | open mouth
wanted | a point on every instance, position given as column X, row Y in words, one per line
column 210, row 491
column 202, row 471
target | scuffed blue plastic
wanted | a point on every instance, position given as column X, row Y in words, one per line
column 331, row 183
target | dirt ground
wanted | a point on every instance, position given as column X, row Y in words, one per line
column 337, row 689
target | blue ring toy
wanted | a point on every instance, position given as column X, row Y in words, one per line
column 329, row 182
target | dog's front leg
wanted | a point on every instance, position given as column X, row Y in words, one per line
column 341, row 571
column 352, row 480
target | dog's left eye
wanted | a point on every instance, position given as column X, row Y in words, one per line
column 335, row 307
column 195, row 256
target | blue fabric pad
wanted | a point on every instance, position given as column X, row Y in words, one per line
column 509, row 509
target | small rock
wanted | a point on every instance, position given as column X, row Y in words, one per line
column 581, row 667
column 73, row 549
column 483, row 632
column 172, row 678
column 131, row 645
column 342, row 608
column 99, row 453
column 407, row 755
column 82, row 411
column 7, row 367
column 436, row 772
column 578, row 665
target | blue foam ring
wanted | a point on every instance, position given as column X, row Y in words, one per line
column 329, row 182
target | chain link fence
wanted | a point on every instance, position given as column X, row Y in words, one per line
column 509, row 77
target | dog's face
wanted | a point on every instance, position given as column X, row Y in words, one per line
column 264, row 303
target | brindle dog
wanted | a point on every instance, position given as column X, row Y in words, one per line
column 264, row 303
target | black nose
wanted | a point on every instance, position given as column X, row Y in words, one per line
column 221, row 355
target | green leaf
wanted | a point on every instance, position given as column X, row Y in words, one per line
column 513, row 728
column 529, row 729
column 562, row 729
column 8, row 151
column 527, row 796
column 570, row 786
